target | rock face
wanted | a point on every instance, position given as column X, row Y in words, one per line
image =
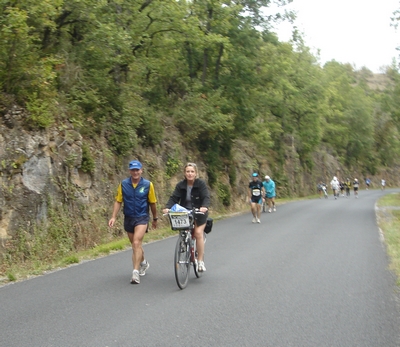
column 38, row 168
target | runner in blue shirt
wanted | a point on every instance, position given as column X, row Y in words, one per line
column 269, row 187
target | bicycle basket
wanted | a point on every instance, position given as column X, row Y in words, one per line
column 179, row 220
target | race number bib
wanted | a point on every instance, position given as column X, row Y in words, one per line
column 256, row 192
column 179, row 220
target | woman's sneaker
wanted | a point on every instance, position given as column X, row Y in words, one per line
column 135, row 277
column 201, row 266
column 143, row 268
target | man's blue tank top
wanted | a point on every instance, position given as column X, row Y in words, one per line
column 135, row 199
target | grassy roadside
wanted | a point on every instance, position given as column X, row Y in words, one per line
column 32, row 268
column 388, row 216
column 11, row 271
column 36, row 267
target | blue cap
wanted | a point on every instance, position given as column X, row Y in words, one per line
column 135, row 164
column 255, row 174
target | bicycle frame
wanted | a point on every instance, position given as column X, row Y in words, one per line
column 185, row 249
column 189, row 239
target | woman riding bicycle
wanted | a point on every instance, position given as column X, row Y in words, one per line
column 191, row 193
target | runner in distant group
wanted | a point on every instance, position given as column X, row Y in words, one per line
column 269, row 187
column 341, row 186
column 321, row 188
column 355, row 187
column 256, row 192
column 347, row 187
column 367, row 182
column 335, row 187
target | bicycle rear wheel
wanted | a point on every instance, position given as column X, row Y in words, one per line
column 182, row 262
column 195, row 263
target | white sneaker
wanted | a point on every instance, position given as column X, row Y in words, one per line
column 269, row 210
column 143, row 268
column 258, row 220
column 274, row 209
column 254, row 220
column 201, row 266
column 135, row 277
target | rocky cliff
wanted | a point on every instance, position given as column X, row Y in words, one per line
column 54, row 181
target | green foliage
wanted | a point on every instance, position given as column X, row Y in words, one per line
column 88, row 163
column 123, row 70
column 224, row 194
column 42, row 244
column 72, row 259
column 203, row 124
column 173, row 166
column 11, row 277
column 122, row 135
column 41, row 113
column 150, row 131
column 232, row 174
column 390, row 224
column 60, row 232
column 24, row 70
column 55, row 240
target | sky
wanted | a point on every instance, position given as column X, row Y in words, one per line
column 358, row 32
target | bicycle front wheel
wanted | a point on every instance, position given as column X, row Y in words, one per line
column 182, row 262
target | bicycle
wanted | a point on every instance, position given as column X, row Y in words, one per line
column 185, row 249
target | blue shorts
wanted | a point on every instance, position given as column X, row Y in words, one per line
column 130, row 223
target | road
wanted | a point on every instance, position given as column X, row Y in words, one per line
column 314, row 273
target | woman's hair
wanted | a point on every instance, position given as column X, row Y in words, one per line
column 193, row 165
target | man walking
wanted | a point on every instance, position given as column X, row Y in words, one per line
column 269, row 187
column 137, row 195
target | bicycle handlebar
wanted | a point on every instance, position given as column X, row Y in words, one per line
column 195, row 210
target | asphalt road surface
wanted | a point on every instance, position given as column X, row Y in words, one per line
column 314, row 273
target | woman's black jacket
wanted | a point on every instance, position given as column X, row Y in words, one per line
column 200, row 195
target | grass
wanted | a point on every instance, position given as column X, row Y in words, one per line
column 28, row 269
column 389, row 223
column 390, row 200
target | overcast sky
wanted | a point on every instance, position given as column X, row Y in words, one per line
column 358, row 32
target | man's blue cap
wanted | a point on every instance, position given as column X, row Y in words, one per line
column 135, row 164
column 255, row 174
